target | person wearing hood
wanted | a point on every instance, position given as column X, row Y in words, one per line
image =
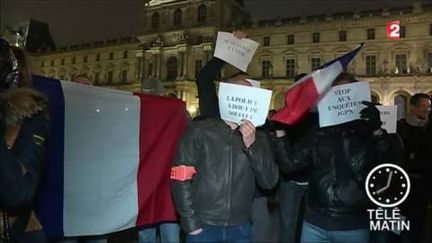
column 24, row 127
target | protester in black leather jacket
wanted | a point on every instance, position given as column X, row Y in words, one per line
column 222, row 190
column 228, row 159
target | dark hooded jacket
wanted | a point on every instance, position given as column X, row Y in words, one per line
column 338, row 159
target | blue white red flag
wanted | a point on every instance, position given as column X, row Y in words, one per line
column 305, row 93
column 110, row 159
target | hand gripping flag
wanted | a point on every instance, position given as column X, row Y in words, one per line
column 302, row 95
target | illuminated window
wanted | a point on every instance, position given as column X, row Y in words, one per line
column 110, row 77
column 177, row 17
column 202, row 14
column 290, row 68
column 155, row 21
column 124, row 76
column 96, row 77
column 315, row 62
column 401, row 63
column 370, row 65
column 342, row 35
column 316, row 37
column 171, row 69
column 266, row 67
column 371, row 34
column 290, row 39
column 266, row 41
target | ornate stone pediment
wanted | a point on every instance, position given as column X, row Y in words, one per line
column 158, row 2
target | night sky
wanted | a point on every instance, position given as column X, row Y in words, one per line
column 78, row 21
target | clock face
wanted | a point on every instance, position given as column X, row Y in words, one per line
column 387, row 185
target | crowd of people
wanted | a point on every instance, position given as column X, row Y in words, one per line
column 316, row 174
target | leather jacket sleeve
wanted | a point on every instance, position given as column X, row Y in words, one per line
column 291, row 158
column 208, row 100
column 262, row 162
column 181, row 190
column 18, row 188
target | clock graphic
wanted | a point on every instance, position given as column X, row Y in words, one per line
column 387, row 185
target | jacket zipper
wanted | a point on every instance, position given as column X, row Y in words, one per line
column 230, row 177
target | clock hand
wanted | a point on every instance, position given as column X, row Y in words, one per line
column 387, row 184
column 382, row 189
column 389, row 179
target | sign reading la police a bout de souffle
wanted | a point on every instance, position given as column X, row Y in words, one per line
column 237, row 102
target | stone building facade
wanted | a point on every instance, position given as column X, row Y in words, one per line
column 179, row 35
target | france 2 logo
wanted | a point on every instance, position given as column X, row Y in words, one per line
column 393, row 30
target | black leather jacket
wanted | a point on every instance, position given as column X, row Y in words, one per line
column 339, row 159
column 221, row 191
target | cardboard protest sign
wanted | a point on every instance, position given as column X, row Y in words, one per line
column 388, row 117
column 237, row 52
column 237, row 102
column 342, row 103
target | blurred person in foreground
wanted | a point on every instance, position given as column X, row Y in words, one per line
column 417, row 140
column 24, row 127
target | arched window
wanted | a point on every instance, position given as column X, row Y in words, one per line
column 401, row 101
column 177, row 17
column 155, row 21
column 171, row 69
column 375, row 97
column 202, row 14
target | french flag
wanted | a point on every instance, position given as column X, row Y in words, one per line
column 305, row 93
column 109, row 159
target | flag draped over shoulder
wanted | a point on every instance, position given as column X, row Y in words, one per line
column 305, row 93
column 109, row 159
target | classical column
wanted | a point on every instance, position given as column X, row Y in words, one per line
column 185, row 65
column 140, row 70
column 157, row 60
column 207, row 55
column 180, row 70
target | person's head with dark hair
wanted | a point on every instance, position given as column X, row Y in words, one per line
column 420, row 106
column 344, row 78
column 299, row 76
column 239, row 73
column 239, row 78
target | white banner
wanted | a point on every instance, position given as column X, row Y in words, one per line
column 342, row 103
column 388, row 117
column 237, row 102
column 237, row 52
